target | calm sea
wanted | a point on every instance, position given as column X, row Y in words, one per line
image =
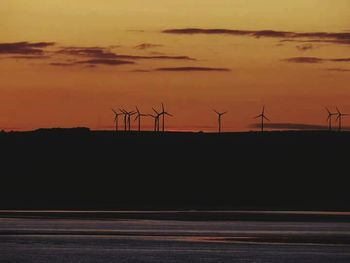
column 138, row 240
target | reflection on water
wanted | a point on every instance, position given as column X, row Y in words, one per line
column 77, row 240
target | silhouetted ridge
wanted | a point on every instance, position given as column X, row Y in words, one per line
column 82, row 169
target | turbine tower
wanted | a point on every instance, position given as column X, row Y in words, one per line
column 263, row 117
column 330, row 115
column 116, row 119
column 339, row 118
column 125, row 118
column 156, row 117
column 156, row 120
column 163, row 113
column 219, row 118
column 138, row 117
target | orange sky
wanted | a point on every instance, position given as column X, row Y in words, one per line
column 77, row 79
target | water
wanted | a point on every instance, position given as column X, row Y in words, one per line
column 85, row 240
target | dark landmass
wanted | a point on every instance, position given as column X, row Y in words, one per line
column 103, row 170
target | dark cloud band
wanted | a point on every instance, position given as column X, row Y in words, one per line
column 192, row 69
column 313, row 60
column 24, row 48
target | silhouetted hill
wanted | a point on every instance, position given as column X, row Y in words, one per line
column 83, row 169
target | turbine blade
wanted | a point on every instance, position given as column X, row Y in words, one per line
column 328, row 111
column 216, row 111
column 162, row 107
column 266, row 118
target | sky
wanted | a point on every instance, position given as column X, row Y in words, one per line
column 68, row 63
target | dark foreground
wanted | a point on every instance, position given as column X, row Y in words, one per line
column 79, row 169
column 42, row 240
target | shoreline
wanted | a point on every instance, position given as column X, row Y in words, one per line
column 282, row 216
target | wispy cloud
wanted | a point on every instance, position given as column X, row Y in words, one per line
column 264, row 33
column 260, row 33
column 314, row 60
column 141, row 70
column 192, row 69
column 339, row 59
column 304, row 47
column 338, row 38
column 30, row 57
column 59, row 64
column 109, row 62
column 96, row 52
column 156, row 57
column 24, row 48
column 102, row 53
column 147, row 46
column 326, row 41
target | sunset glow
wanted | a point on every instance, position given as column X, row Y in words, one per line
column 67, row 63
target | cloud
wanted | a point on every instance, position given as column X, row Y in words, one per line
column 96, row 52
column 338, row 69
column 339, row 59
column 59, row 64
column 24, row 48
column 102, row 53
column 156, row 57
column 338, row 38
column 109, row 62
column 192, row 69
column 141, row 70
column 263, row 33
column 30, row 57
column 314, row 60
column 290, row 126
column 331, row 41
column 147, row 46
column 305, row 47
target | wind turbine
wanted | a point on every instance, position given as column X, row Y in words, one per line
column 138, row 117
column 339, row 118
column 163, row 113
column 116, row 118
column 263, row 117
column 156, row 120
column 219, row 118
column 330, row 115
column 156, row 117
column 125, row 118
